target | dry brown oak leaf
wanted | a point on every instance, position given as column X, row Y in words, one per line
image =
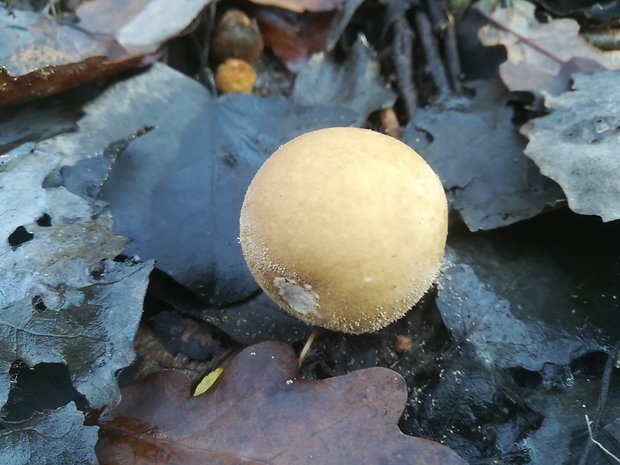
column 257, row 412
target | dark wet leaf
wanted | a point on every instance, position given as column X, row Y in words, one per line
column 519, row 300
column 563, row 432
column 35, row 121
column 257, row 320
column 54, row 310
column 41, row 57
column 355, row 84
column 577, row 144
column 541, row 55
column 478, row 154
column 49, row 439
column 602, row 12
column 140, row 26
column 177, row 189
column 258, row 412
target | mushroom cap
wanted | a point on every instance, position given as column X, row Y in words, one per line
column 344, row 228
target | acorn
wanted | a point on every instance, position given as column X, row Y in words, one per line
column 236, row 36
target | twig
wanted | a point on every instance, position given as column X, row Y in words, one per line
column 601, row 446
column 602, row 400
column 453, row 59
column 205, row 75
column 307, row 345
column 434, row 65
column 402, row 54
column 445, row 29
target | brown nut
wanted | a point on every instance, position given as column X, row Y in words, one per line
column 236, row 36
column 345, row 228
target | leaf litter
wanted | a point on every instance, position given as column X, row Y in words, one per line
column 344, row 420
column 542, row 56
column 61, row 301
column 40, row 56
column 472, row 395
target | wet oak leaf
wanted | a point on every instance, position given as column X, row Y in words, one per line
column 257, row 412
column 541, row 56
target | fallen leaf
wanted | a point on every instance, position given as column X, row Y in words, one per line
column 563, row 431
column 41, row 57
column 577, row 144
column 299, row 6
column 541, row 56
column 54, row 308
column 258, row 412
column 140, row 26
column 478, row 154
column 294, row 37
column 256, row 320
column 487, row 298
column 41, row 119
column 177, row 190
column 355, row 84
column 52, row 438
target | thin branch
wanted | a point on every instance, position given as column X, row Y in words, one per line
column 434, row 65
column 444, row 28
column 601, row 446
column 602, row 400
column 402, row 54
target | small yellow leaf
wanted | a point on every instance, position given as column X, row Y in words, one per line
column 207, row 382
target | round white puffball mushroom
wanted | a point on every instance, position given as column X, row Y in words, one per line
column 345, row 228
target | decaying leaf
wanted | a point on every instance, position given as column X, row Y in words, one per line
column 577, row 144
column 41, row 119
column 54, row 438
column 177, row 190
column 54, row 308
column 258, row 412
column 294, row 37
column 564, row 432
column 140, row 26
column 541, row 56
column 478, row 154
column 355, row 84
column 41, row 57
column 300, row 6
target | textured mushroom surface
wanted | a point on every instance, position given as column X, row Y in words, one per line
column 344, row 228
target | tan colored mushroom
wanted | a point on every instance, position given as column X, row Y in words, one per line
column 344, row 228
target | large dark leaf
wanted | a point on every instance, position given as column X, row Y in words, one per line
column 177, row 190
column 354, row 84
column 478, row 154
